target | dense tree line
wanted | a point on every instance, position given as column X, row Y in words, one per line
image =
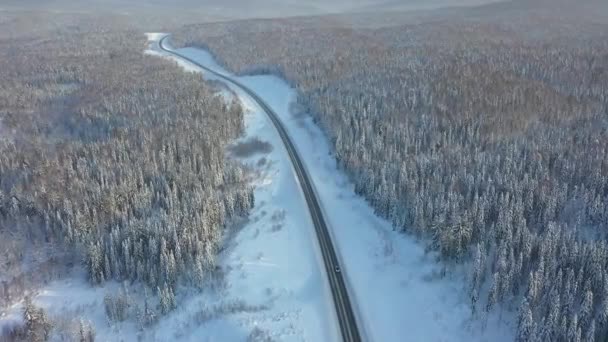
column 485, row 132
column 111, row 156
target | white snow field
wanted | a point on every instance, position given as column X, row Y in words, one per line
column 395, row 285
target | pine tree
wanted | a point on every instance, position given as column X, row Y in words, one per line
column 533, row 288
column 590, row 334
column 106, row 269
column 95, row 263
column 603, row 307
column 586, row 309
column 171, row 301
column 37, row 325
column 199, row 273
column 525, row 326
column 110, row 308
column 163, row 295
column 171, row 269
column 573, row 329
column 82, row 331
column 86, row 332
column 493, row 293
column 148, row 316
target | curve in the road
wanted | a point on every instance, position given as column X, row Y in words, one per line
column 344, row 310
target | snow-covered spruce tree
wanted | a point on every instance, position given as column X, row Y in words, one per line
column 525, row 326
column 37, row 324
column 86, row 332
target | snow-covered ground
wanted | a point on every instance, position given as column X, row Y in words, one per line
column 274, row 280
column 396, row 285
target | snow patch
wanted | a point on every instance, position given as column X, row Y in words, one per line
column 155, row 36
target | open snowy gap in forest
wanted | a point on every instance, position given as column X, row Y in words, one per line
column 398, row 288
column 273, row 285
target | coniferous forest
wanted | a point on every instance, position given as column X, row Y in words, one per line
column 483, row 132
column 111, row 159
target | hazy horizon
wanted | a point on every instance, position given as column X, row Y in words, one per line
column 235, row 9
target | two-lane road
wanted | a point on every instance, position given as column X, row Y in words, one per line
column 344, row 310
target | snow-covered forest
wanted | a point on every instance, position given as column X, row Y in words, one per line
column 112, row 159
column 482, row 131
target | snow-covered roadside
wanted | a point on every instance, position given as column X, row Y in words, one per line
column 397, row 287
column 273, row 260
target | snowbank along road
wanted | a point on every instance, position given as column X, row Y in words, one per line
column 344, row 310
